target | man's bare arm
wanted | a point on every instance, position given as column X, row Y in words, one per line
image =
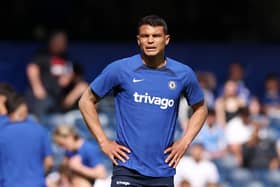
column 87, row 105
column 33, row 74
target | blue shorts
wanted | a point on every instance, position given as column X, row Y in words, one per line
column 124, row 177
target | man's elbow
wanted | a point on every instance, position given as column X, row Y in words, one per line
column 82, row 102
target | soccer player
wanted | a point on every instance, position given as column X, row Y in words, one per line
column 25, row 151
column 147, row 89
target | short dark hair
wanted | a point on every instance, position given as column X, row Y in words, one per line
column 244, row 112
column 153, row 20
column 6, row 89
column 271, row 76
column 211, row 112
column 14, row 101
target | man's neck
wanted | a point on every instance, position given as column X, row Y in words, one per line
column 3, row 110
column 154, row 61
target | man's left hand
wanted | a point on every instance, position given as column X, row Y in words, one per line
column 176, row 150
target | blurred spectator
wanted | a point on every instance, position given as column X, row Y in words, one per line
column 207, row 82
column 236, row 74
column 5, row 91
column 271, row 99
column 61, row 178
column 260, row 153
column 25, row 151
column 238, row 131
column 81, row 158
column 184, row 183
column 43, row 73
column 228, row 104
column 257, row 113
column 73, row 86
column 196, row 170
column 212, row 137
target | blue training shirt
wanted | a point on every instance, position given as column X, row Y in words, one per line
column 23, row 148
column 146, row 104
column 89, row 155
column 4, row 119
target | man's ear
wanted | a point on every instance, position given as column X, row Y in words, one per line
column 167, row 39
column 138, row 41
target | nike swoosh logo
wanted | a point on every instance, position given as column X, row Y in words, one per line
column 137, row 80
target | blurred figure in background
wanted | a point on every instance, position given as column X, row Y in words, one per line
column 25, row 150
column 207, row 81
column 196, row 170
column 184, row 183
column 73, row 85
column 238, row 132
column 227, row 105
column 212, row 137
column 81, row 158
column 236, row 74
column 5, row 91
column 43, row 73
column 271, row 99
column 260, row 152
column 257, row 113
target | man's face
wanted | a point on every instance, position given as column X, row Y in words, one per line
column 65, row 142
column 58, row 43
column 152, row 40
column 197, row 152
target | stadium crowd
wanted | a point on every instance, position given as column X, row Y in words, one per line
column 43, row 136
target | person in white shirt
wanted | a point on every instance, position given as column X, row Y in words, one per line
column 238, row 131
column 196, row 170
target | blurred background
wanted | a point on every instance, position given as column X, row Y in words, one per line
column 233, row 46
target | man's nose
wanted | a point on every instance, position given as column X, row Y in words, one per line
column 150, row 39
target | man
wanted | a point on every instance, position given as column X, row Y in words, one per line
column 212, row 136
column 25, row 152
column 147, row 89
column 43, row 74
column 199, row 172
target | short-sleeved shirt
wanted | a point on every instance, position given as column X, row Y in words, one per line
column 23, row 148
column 198, row 174
column 146, row 104
column 3, row 121
column 213, row 139
column 90, row 156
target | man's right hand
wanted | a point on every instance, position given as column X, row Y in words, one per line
column 113, row 150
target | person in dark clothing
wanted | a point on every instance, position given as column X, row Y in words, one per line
column 43, row 74
column 73, row 85
column 259, row 153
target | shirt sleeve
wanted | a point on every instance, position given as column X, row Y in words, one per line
column 192, row 92
column 47, row 150
column 93, row 156
column 107, row 80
